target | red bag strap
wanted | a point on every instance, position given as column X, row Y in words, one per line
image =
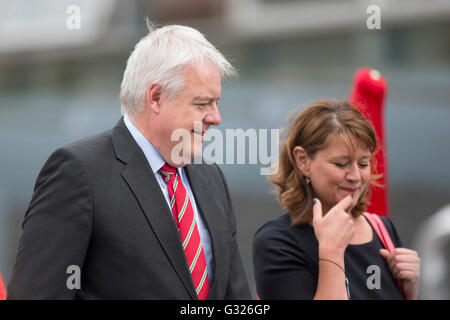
column 384, row 236
column 381, row 230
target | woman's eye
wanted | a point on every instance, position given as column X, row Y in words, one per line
column 340, row 165
column 363, row 165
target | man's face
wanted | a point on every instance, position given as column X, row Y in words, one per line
column 196, row 103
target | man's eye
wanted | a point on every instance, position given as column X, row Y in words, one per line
column 202, row 105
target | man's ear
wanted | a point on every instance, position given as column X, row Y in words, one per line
column 153, row 97
column 301, row 160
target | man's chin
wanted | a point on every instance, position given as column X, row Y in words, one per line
column 196, row 155
column 197, row 137
column 196, row 146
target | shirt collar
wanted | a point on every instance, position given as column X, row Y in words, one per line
column 153, row 156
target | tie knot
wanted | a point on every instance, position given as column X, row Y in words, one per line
column 167, row 170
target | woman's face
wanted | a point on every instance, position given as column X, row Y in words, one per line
column 337, row 171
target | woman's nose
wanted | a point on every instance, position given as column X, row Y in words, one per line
column 353, row 173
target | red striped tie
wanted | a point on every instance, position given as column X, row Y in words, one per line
column 190, row 237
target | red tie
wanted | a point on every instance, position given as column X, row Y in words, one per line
column 190, row 237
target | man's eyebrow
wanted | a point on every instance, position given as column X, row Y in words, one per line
column 205, row 98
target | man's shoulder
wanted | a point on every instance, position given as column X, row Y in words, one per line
column 89, row 152
column 89, row 144
column 96, row 143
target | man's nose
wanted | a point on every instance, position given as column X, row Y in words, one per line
column 213, row 116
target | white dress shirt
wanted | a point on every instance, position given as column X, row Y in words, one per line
column 156, row 161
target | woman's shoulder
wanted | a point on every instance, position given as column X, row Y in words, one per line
column 281, row 223
column 390, row 227
column 281, row 230
column 392, row 231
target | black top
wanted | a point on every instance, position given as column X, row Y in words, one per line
column 286, row 266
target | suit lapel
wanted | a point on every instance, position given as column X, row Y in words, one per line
column 206, row 205
column 141, row 180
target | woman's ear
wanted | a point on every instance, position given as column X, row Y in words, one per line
column 153, row 97
column 301, row 160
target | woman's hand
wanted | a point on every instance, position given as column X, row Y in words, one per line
column 335, row 230
column 405, row 266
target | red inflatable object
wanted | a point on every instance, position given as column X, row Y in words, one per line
column 368, row 96
column 2, row 289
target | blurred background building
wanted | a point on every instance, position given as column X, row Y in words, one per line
column 61, row 65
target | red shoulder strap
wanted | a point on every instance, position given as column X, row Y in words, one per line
column 381, row 230
column 384, row 236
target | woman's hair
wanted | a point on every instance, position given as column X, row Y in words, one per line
column 313, row 129
column 161, row 57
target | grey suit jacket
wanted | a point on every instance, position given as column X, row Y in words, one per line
column 97, row 205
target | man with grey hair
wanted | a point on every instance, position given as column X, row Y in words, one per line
column 116, row 215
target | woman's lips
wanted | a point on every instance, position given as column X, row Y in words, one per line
column 350, row 190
